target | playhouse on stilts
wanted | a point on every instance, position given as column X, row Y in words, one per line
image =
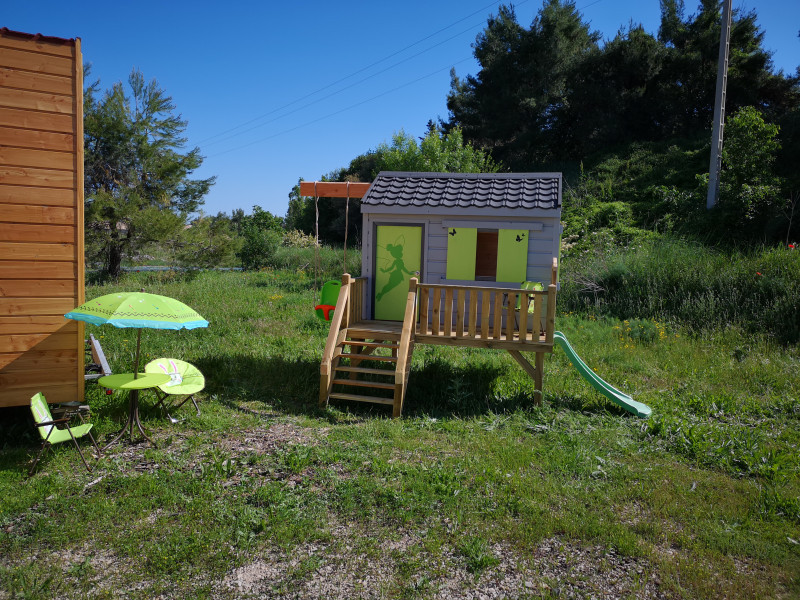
column 450, row 259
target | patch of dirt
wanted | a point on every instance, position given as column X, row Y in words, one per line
column 265, row 440
column 350, row 567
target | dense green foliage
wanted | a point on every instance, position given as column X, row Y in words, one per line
column 262, row 235
column 137, row 184
column 552, row 92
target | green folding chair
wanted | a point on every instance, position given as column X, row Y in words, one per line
column 52, row 435
column 185, row 380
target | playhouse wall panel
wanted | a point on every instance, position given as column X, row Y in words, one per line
column 41, row 218
column 46, row 252
column 542, row 244
column 37, row 196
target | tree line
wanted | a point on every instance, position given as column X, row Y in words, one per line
column 627, row 120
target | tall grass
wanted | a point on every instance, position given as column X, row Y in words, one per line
column 331, row 260
column 696, row 286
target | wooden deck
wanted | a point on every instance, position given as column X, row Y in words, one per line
column 477, row 317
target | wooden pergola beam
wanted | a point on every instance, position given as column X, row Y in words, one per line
column 333, row 189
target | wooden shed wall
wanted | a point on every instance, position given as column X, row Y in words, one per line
column 41, row 218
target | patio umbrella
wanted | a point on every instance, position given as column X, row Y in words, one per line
column 138, row 309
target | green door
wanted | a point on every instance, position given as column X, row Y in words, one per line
column 398, row 258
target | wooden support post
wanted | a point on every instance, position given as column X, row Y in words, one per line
column 484, row 314
column 523, row 317
column 551, row 313
column 537, row 317
column 536, row 372
column 497, row 327
column 437, row 301
column 461, row 296
column 324, row 385
column 448, row 312
column 510, row 308
column 538, row 379
column 405, row 347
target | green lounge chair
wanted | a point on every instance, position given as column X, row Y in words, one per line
column 185, row 380
column 52, row 435
column 327, row 300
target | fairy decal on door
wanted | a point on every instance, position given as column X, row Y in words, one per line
column 398, row 257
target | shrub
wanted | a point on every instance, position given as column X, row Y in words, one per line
column 259, row 247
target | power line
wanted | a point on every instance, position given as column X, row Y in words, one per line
column 352, row 106
column 353, row 74
column 339, row 91
column 360, row 103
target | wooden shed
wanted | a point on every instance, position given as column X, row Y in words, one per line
column 447, row 259
column 41, row 217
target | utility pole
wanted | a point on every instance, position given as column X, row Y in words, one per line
column 719, row 107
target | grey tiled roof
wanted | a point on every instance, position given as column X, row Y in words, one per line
column 465, row 190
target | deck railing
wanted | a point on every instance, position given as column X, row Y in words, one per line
column 486, row 313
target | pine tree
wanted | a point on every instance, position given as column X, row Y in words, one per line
column 137, row 184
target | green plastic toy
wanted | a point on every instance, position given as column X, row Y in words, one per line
column 327, row 300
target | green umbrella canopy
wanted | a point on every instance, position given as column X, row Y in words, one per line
column 138, row 309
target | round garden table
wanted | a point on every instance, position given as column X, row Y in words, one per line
column 132, row 382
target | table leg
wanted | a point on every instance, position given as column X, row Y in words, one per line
column 121, row 431
column 135, row 415
column 133, row 418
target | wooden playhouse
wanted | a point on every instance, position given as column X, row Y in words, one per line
column 41, row 218
column 444, row 258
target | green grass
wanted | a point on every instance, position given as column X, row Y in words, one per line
column 475, row 488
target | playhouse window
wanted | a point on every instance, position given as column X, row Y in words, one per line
column 486, row 255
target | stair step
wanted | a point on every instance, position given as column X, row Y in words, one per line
column 361, row 383
column 368, row 357
column 365, row 370
column 369, row 344
column 357, row 398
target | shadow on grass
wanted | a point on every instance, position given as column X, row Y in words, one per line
column 594, row 404
column 291, row 386
column 439, row 389
column 288, row 385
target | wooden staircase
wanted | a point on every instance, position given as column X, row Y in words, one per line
column 367, row 361
column 365, row 365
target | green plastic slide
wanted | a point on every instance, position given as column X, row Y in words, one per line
column 609, row 391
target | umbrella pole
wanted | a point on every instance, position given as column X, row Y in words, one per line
column 136, row 361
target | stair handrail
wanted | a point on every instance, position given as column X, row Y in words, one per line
column 407, row 333
column 336, row 324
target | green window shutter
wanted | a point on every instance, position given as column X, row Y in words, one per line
column 461, row 246
column 512, row 255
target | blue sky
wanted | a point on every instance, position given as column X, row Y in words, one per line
column 275, row 91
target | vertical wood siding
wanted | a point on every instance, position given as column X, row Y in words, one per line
column 41, row 218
